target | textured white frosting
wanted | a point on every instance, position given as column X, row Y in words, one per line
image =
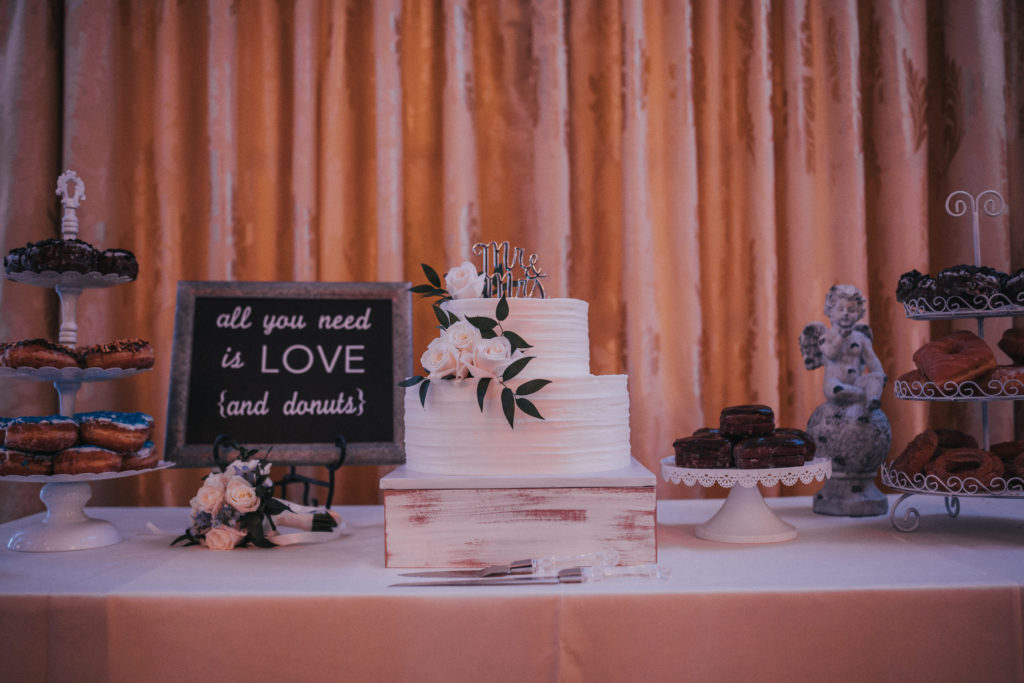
column 586, row 429
column 557, row 329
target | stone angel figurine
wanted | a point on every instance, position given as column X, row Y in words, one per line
column 849, row 427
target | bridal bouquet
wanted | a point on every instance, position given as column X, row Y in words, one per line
column 235, row 506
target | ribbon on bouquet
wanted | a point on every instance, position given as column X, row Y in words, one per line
column 317, row 524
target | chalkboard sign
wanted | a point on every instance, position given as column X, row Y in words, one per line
column 290, row 365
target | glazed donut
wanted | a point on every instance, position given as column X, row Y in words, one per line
column 803, row 436
column 38, row 353
column 703, row 451
column 958, row 357
column 964, row 464
column 18, row 462
column 86, row 459
column 41, row 434
column 142, row 459
column 954, row 438
column 1010, row 378
column 119, row 432
column 740, row 422
column 1012, row 455
column 918, row 453
column 123, row 353
column 4, row 421
column 1012, row 344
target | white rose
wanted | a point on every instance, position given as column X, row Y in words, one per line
column 490, row 357
column 223, row 538
column 208, row 499
column 442, row 359
column 216, row 479
column 241, row 496
column 463, row 282
column 462, row 335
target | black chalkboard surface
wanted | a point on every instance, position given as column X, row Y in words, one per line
column 290, row 365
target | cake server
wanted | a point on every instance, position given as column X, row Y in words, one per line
column 570, row 575
column 544, row 566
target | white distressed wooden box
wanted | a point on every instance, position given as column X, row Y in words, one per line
column 473, row 521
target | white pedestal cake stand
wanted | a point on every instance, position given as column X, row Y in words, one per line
column 744, row 516
column 66, row 526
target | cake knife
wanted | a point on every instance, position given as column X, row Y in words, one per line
column 545, row 566
column 570, row 575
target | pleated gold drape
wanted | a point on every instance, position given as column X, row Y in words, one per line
column 700, row 171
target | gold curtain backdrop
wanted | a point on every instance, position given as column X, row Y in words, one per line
column 701, row 172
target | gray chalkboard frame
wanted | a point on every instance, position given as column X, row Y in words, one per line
column 366, row 453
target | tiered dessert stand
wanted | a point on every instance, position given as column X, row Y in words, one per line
column 943, row 308
column 744, row 516
column 66, row 526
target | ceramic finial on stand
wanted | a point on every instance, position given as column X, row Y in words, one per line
column 70, row 199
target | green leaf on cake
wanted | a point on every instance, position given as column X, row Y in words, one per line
column 508, row 405
column 515, row 367
column 501, row 312
column 442, row 317
column 411, row 381
column 422, row 289
column 516, row 341
column 532, row 386
column 488, row 334
column 423, row 392
column 482, row 323
column 431, row 274
column 527, row 407
column 481, row 391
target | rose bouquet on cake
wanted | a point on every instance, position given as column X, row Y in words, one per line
column 475, row 347
column 235, row 506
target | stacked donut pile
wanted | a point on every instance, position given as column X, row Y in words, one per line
column 953, row 457
column 71, row 255
column 965, row 357
column 96, row 442
column 746, row 437
column 40, row 353
column 967, row 282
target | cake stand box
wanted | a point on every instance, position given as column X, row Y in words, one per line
column 473, row 521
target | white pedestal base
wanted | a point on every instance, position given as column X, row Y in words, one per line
column 66, row 526
column 745, row 518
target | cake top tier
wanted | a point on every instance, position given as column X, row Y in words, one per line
column 556, row 329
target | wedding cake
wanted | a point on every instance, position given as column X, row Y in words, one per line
column 509, row 389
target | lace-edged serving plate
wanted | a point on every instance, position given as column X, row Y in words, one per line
column 816, row 470
column 72, row 374
column 52, row 278
column 983, row 390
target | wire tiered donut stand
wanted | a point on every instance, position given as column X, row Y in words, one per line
column 66, row 526
column 982, row 391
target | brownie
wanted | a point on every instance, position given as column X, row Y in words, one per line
column 703, row 452
column 770, row 451
column 741, row 422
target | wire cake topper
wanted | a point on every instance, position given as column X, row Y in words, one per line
column 71, row 200
column 508, row 271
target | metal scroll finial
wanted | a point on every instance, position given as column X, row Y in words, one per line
column 990, row 201
column 508, row 271
column 71, row 201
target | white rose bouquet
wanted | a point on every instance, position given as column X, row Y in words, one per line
column 477, row 347
column 235, row 506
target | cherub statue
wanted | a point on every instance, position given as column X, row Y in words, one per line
column 845, row 350
column 849, row 427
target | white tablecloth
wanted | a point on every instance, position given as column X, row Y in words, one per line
column 848, row 600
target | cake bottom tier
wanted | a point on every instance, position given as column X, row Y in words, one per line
column 585, row 429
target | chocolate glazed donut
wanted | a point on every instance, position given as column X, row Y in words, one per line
column 965, row 464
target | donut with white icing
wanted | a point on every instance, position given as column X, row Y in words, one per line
column 119, row 432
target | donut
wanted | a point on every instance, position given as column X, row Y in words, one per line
column 964, row 464
column 1013, row 288
column 803, row 436
column 4, row 421
column 770, row 451
column 123, row 353
column 120, row 432
column 1012, row 344
column 954, row 438
column 38, row 353
column 1007, row 380
column 745, row 421
column 117, row 262
column 16, row 261
column 1012, row 455
column 61, row 255
column 86, row 459
column 969, row 282
column 917, row 454
column 19, row 462
column 142, row 459
column 906, row 286
column 956, row 358
column 41, row 434
column 703, row 452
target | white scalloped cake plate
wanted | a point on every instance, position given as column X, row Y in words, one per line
column 61, row 478
column 51, row 278
column 817, row 469
column 51, row 374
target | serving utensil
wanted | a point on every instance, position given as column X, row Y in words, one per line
column 544, row 566
column 570, row 575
